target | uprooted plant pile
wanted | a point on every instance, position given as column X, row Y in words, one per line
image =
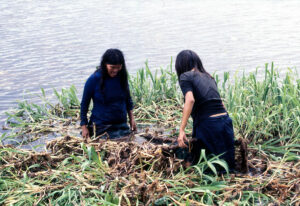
column 129, row 173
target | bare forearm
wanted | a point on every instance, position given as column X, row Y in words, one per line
column 187, row 109
column 83, row 127
column 132, row 121
column 130, row 115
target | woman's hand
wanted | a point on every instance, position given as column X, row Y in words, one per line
column 131, row 121
column 85, row 133
column 181, row 139
column 132, row 124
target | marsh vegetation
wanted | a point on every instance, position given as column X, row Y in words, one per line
column 266, row 116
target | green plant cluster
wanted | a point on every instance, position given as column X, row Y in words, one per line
column 264, row 106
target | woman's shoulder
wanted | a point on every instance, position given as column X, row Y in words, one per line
column 193, row 76
column 196, row 76
column 187, row 76
column 95, row 76
column 93, row 79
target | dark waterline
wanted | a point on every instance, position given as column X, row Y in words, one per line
column 54, row 44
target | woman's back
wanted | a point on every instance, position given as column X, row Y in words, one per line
column 205, row 91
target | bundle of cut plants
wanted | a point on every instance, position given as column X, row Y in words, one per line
column 146, row 173
column 121, row 157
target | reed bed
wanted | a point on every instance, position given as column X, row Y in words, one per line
column 266, row 117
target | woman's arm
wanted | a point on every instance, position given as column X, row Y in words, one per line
column 187, row 110
column 129, row 107
column 84, row 107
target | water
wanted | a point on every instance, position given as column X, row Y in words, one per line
column 54, row 44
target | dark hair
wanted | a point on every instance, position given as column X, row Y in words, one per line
column 113, row 56
column 186, row 60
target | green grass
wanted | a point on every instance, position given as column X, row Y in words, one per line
column 265, row 112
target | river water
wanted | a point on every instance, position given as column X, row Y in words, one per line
column 54, row 44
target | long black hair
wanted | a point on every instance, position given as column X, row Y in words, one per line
column 114, row 57
column 186, row 60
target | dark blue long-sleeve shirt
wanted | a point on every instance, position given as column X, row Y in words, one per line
column 109, row 106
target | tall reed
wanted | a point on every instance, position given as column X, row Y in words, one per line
column 265, row 111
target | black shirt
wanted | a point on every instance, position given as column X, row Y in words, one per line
column 205, row 91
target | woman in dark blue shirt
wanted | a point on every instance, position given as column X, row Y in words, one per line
column 109, row 90
column 212, row 127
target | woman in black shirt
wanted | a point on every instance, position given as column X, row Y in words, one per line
column 212, row 127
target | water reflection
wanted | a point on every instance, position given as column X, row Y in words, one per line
column 53, row 44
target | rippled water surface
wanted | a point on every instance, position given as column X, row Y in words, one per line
column 54, row 44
